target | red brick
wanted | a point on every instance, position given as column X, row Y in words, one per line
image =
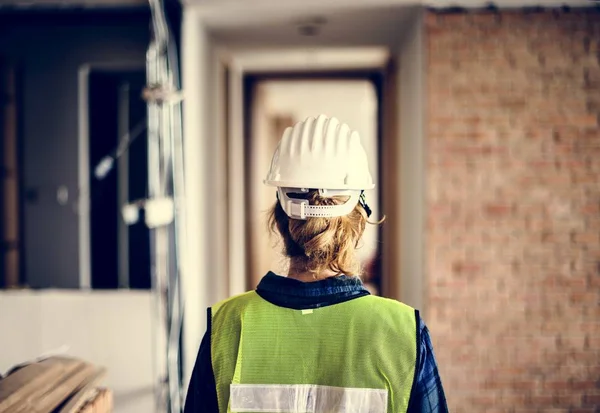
column 594, row 282
column 591, row 209
column 582, row 121
column 481, row 150
column 561, row 282
column 591, row 400
column 544, row 400
column 589, row 297
column 538, row 164
column 584, row 385
column 514, row 147
column 557, row 385
column 586, row 238
column 497, row 210
column 568, row 399
column 593, row 328
column 465, row 267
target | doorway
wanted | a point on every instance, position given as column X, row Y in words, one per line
column 275, row 102
column 120, row 254
column 261, row 40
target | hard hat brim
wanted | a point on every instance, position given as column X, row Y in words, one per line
column 317, row 185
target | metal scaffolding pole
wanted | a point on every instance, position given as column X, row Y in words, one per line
column 164, row 208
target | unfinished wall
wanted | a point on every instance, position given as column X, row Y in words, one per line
column 513, row 219
column 112, row 329
column 50, row 49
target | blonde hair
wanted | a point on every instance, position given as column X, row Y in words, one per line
column 321, row 243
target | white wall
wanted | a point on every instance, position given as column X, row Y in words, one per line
column 411, row 196
column 205, row 279
column 112, row 329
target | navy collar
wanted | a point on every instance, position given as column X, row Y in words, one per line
column 291, row 293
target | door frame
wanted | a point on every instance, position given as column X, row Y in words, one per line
column 376, row 77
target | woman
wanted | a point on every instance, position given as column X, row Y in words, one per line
column 316, row 340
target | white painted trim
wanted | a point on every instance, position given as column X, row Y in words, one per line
column 303, row 59
column 423, row 137
column 83, row 207
column 236, row 173
column 219, row 208
column 194, row 293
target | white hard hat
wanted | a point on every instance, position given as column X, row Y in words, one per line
column 321, row 154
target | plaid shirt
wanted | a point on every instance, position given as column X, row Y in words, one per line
column 427, row 395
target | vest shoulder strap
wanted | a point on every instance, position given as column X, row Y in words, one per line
column 238, row 301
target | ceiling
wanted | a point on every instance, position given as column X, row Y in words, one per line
column 243, row 4
column 68, row 4
column 428, row 3
column 310, row 23
column 338, row 22
column 356, row 27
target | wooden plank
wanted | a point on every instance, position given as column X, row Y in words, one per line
column 107, row 402
column 26, row 381
column 87, row 405
column 28, row 399
column 41, row 387
column 84, row 392
column 102, row 403
column 27, row 388
column 60, row 391
column 78, row 402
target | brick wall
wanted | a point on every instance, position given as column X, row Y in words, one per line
column 513, row 188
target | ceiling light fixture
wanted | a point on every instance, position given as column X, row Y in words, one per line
column 311, row 26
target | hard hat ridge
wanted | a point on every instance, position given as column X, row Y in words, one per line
column 319, row 153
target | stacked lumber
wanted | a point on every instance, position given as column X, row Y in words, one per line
column 100, row 401
column 54, row 385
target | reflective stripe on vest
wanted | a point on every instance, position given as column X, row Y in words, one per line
column 291, row 398
column 358, row 356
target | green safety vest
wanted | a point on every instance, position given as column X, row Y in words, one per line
column 357, row 356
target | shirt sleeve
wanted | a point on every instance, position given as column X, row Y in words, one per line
column 202, row 391
column 427, row 394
